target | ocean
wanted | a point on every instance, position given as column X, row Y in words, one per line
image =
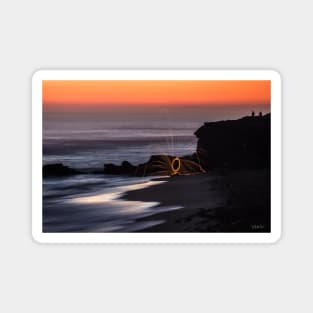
column 90, row 139
column 91, row 203
column 87, row 140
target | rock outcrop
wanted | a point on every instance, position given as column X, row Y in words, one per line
column 242, row 143
column 125, row 168
column 156, row 165
column 58, row 169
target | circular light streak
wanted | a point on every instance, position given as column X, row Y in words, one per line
column 175, row 166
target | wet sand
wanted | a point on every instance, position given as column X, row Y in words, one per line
column 232, row 201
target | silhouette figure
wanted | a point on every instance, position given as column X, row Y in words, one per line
column 252, row 114
column 260, row 114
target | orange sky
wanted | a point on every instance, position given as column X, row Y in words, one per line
column 58, row 93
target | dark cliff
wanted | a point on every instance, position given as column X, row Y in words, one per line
column 242, row 143
column 236, row 144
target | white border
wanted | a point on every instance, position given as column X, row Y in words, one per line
column 271, row 75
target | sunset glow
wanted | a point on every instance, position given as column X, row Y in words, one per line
column 78, row 93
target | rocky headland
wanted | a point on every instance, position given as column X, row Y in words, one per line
column 232, row 144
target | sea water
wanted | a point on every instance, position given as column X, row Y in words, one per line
column 92, row 203
column 87, row 140
column 90, row 140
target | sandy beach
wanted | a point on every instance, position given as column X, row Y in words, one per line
column 232, row 201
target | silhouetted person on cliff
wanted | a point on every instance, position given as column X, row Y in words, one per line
column 252, row 114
